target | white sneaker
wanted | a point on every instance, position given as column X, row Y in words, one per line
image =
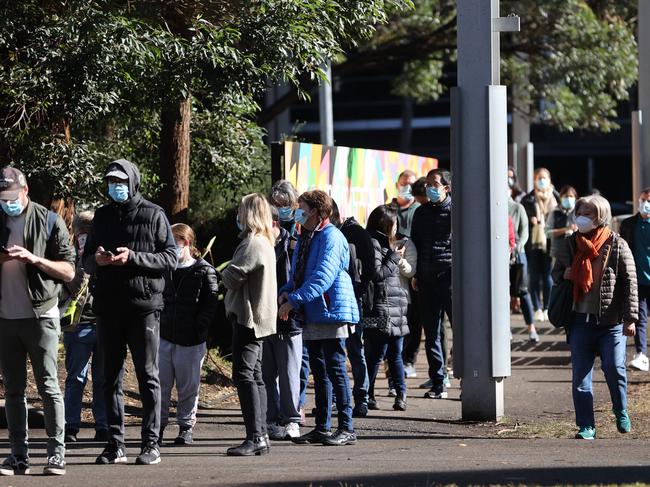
column 640, row 362
column 539, row 315
column 409, row 371
column 292, row 430
column 545, row 315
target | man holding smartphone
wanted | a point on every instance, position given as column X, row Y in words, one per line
column 36, row 258
column 129, row 248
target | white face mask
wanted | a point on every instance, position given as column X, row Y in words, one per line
column 81, row 242
column 585, row 224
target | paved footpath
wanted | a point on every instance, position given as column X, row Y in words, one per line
column 426, row 445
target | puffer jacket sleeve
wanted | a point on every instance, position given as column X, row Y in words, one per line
column 208, row 300
column 626, row 275
column 385, row 267
column 164, row 258
column 333, row 257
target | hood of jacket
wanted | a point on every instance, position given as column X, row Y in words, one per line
column 133, row 173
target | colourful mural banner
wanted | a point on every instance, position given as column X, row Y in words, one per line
column 359, row 180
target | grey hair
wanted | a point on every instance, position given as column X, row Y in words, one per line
column 603, row 209
column 283, row 189
column 82, row 222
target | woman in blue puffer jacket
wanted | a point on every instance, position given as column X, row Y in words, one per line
column 320, row 294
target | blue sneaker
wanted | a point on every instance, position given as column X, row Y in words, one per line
column 623, row 423
column 586, row 433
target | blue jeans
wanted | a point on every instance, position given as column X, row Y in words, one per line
column 641, row 337
column 379, row 346
column 435, row 299
column 80, row 345
column 524, row 296
column 327, row 361
column 586, row 340
column 354, row 345
column 540, row 267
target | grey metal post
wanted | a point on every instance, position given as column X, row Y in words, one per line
column 481, row 317
column 644, row 89
column 521, row 137
column 637, row 158
column 325, row 111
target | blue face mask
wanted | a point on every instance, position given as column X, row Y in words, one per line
column 644, row 208
column 543, row 183
column 12, row 208
column 119, row 192
column 568, row 202
column 434, row 194
column 179, row 251
column 405, row 192
column 301, row 217
column 286, row 213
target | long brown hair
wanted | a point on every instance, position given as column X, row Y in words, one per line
column 185, row 232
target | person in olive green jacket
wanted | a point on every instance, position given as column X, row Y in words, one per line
column 36, row 258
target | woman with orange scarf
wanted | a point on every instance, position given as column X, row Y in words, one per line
column 605, row 309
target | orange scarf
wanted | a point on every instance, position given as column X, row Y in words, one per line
column 588, row 249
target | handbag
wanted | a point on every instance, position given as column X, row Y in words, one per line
column 379, row 323
column 560, row 307
column 73, row 307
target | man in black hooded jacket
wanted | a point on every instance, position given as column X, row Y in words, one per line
column 130, row 247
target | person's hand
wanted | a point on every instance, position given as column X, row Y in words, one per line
column 573, row 227
column 15, row 252
column 284, row 310
column 414, row 284
column 122, row 256
column 533, row 220
column 567, row 273
column 284, row 297
column 629, row 330
column 400, row 251
column 102, row 259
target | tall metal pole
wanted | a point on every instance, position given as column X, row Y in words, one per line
column 481, row 317
column 326, row 111
column 641, row 139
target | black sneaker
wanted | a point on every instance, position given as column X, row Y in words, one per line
column 340, row 438
column 360, row 410
column 372, row 404
column 184, row 437
column 113, row 453
column 55, row 465
column 149, row 455
column 15, row 465
column 313, row 437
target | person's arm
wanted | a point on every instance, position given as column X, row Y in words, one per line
column 385, row 266
column 626, row 275
column 408, row 264
column 162, row 259
column 208, row 298
column 244, row 261
column 332, row 257
column 522, row 229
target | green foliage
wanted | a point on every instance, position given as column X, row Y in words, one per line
column 571, row 64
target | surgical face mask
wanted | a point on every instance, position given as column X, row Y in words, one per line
column 12, row 208
column 434, row 194
column 585, row 224
column 568, row 202
column 119, row 192
column 179, row 250
column 511, row 183
column 644, row 207
column 301, row 216
column 81, row 241
column 405, row 192
column 286, row 213
column 543, row 183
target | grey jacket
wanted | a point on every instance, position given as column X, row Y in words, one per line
column 619, row 300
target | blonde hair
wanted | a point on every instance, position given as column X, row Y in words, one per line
column 602, row 207
column 255, row 216
column 185, row 232
column 542, row 170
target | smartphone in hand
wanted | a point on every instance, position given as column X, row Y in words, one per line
column 107, row 253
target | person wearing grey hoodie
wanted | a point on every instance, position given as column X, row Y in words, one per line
column 130, row 248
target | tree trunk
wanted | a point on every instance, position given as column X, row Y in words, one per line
column 175, row 159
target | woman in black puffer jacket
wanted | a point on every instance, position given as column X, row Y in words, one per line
column 190, row 305
column 385, row 318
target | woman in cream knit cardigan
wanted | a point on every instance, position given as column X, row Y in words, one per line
column 251, row 307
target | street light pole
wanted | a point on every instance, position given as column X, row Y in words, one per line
column 325, row 109
column 481, row 315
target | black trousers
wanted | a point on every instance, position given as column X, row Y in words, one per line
column 413, row 339
column 247, row 376
column 141, row 333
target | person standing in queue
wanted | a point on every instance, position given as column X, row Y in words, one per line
column 251, row 306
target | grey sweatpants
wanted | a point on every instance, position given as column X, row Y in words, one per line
column 281, row 364
column 38, row 339
column 182, row 364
